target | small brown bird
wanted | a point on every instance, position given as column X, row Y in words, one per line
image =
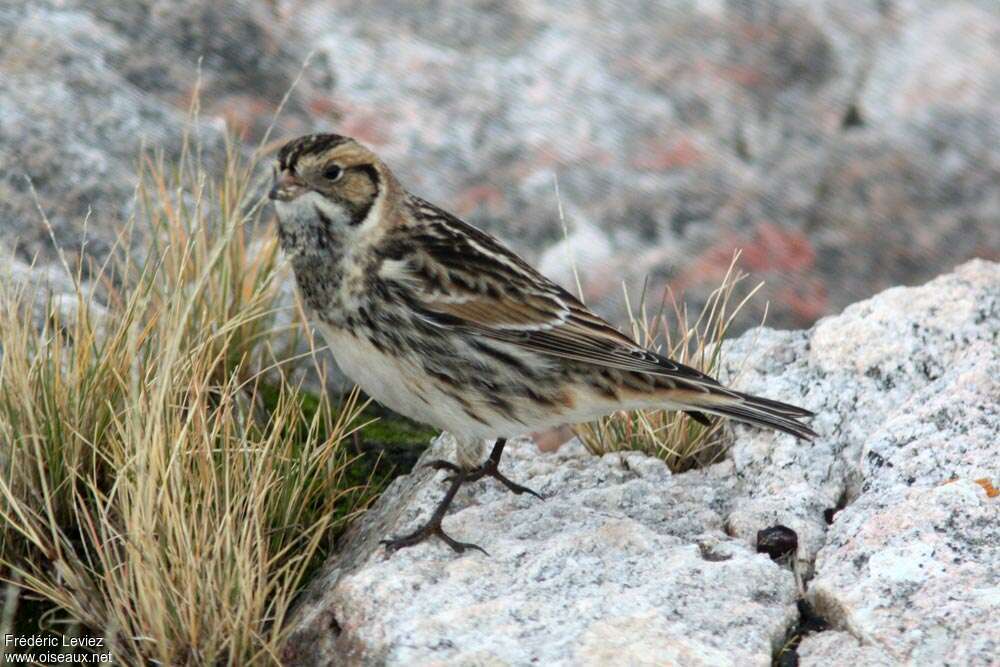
column 442, row 323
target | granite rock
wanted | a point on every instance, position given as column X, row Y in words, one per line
column 90, row 88
column 837, row 647
column 616, row 566
column 913, row 571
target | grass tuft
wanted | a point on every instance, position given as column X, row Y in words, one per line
column 680, row 441
column 161, row 483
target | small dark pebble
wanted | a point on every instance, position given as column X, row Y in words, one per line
column 778, row 542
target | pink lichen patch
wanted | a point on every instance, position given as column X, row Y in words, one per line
column 673, row 155
column 472, row 198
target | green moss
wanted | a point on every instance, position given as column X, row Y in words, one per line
column 391, row 428
column 388, row 446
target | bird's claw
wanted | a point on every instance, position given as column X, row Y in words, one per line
column 458, row 476
column 430, row 529
column 489, row 469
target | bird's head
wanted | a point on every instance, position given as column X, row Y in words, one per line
column 327, row 180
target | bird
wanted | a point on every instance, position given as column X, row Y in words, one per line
column 443, row 323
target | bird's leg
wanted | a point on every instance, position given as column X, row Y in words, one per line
column 433, row 525
column 490, row 468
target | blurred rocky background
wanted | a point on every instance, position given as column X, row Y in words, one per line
column 846, row 146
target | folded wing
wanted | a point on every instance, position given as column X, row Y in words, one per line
column 460, row 278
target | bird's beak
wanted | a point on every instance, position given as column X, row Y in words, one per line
column 286, row 187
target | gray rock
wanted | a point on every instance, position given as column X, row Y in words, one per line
column 625, row 562
column 615, row 567
column 906, row 391
column 914, row 572
column 918, row 69
column 70, row 124
column 840, row 648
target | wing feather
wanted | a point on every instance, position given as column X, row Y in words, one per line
column 462, row 278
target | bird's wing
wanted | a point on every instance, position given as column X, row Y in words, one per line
column 459, row 277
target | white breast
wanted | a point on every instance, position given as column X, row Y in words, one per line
column 399, row 384
column 380, row 376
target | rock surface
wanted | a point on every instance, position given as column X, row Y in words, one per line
column 915, row 571
column 616, row 566
column 846, row 146
column 624, row 563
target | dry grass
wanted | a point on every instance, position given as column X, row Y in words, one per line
column 673, row 436
column 148, row 489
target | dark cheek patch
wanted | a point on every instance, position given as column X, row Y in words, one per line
column 356, row 191
column 360, row 209
column 360, row 212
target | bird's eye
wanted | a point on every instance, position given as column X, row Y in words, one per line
column 333, row 172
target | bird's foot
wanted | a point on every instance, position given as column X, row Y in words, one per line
column 491, row 469
column 487, row 469
column 433, row 526
column 430, row 529
column 458, row 476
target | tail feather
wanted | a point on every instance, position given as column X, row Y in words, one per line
column 757, row 411
column 704, row 394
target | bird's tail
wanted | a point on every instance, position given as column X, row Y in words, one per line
column 751, row 410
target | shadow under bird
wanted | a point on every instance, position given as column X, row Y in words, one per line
column 442, row 323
